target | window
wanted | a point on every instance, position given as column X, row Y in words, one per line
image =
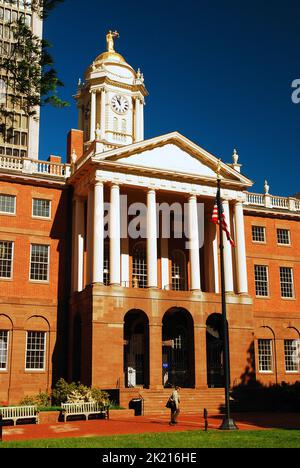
column 3, row 349
column 258, row 234
column 261, row 280
column 265, row 355
column 283, row 237
column 7, row 204
column 292, row 355
column 286, row 282
column 35, row 350
column 178, row 271
column 6, row 259
column 39, row 262
column 41, row 208
column 139, row 267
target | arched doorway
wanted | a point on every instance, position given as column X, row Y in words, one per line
column 136, row 349
column 178, row 349
column 214, row 351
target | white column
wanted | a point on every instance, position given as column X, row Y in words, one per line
column 98, row 237
column 93, row 116
column 194, row 245
column 152, row 239
column 141, row 122
column 137, row 121
column 227, row 252
column 125, row 263
column 102, row 115
column 165, row 275
column 90, row 236
column 79, row 243
column 241, row 261
column 115, row 236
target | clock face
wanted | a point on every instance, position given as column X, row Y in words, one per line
column 120, row 104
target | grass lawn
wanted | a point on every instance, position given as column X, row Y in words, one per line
column 191, row 439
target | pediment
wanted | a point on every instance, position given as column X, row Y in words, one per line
column 169, row 158
column 172, row 153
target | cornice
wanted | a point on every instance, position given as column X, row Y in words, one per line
column 107, row 81
column 270, row 212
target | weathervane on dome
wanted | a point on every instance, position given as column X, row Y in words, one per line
column 110, row 40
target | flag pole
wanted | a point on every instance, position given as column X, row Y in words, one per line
column 228, row 423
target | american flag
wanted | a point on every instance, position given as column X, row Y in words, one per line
column 215, row 220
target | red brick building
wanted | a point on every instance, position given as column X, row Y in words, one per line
column 81, row 297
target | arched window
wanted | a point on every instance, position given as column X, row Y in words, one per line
column 139, row 266
column 124, row 126
column 106, row 278
column 178, row 271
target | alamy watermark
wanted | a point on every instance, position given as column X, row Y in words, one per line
column 176, row 220
column 296, row 92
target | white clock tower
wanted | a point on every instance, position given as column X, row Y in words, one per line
column 111, row 101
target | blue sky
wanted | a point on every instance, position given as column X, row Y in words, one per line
column 217, row 71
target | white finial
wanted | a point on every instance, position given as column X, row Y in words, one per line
column 139, row 76
column 235, row 156
column 267, row 188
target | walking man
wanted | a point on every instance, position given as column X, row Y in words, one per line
column 175, row 410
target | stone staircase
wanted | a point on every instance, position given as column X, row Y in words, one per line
column 193, row 401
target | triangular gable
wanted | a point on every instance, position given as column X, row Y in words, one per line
column 169, row 158
column 172, row 153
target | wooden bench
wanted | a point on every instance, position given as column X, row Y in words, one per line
column 86, row 409
column 19, row 412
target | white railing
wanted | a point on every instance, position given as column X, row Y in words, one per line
column 19, row 412
column 255, row 199
column 32, row 166
column 280, row 202
column 271, row 201
column 86, row 409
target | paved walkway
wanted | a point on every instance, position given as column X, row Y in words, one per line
column 142, row 424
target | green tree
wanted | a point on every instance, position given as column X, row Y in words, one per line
column 28, row 77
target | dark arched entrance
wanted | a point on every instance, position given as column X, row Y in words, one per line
column 214, row 351
column 178, row 349
column 136, row 349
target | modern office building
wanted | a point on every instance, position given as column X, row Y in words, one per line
column 22, row 138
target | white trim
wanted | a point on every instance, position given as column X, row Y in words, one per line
column 48, row 269
column 7, row 352
column 268, row 281
column 44, row 351
column 4, row 278
column 292, row 283
column 15, row 205
column 271, row 355
column 289, row 236
column 42, row 217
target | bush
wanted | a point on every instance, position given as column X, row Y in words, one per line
column 61, row 391
column 42, row 399
column 77, row 393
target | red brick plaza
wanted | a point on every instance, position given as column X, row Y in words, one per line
column 142, row 424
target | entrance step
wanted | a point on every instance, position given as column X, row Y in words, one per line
column 193, row 401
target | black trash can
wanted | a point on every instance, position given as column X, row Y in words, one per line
column 137, row 405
